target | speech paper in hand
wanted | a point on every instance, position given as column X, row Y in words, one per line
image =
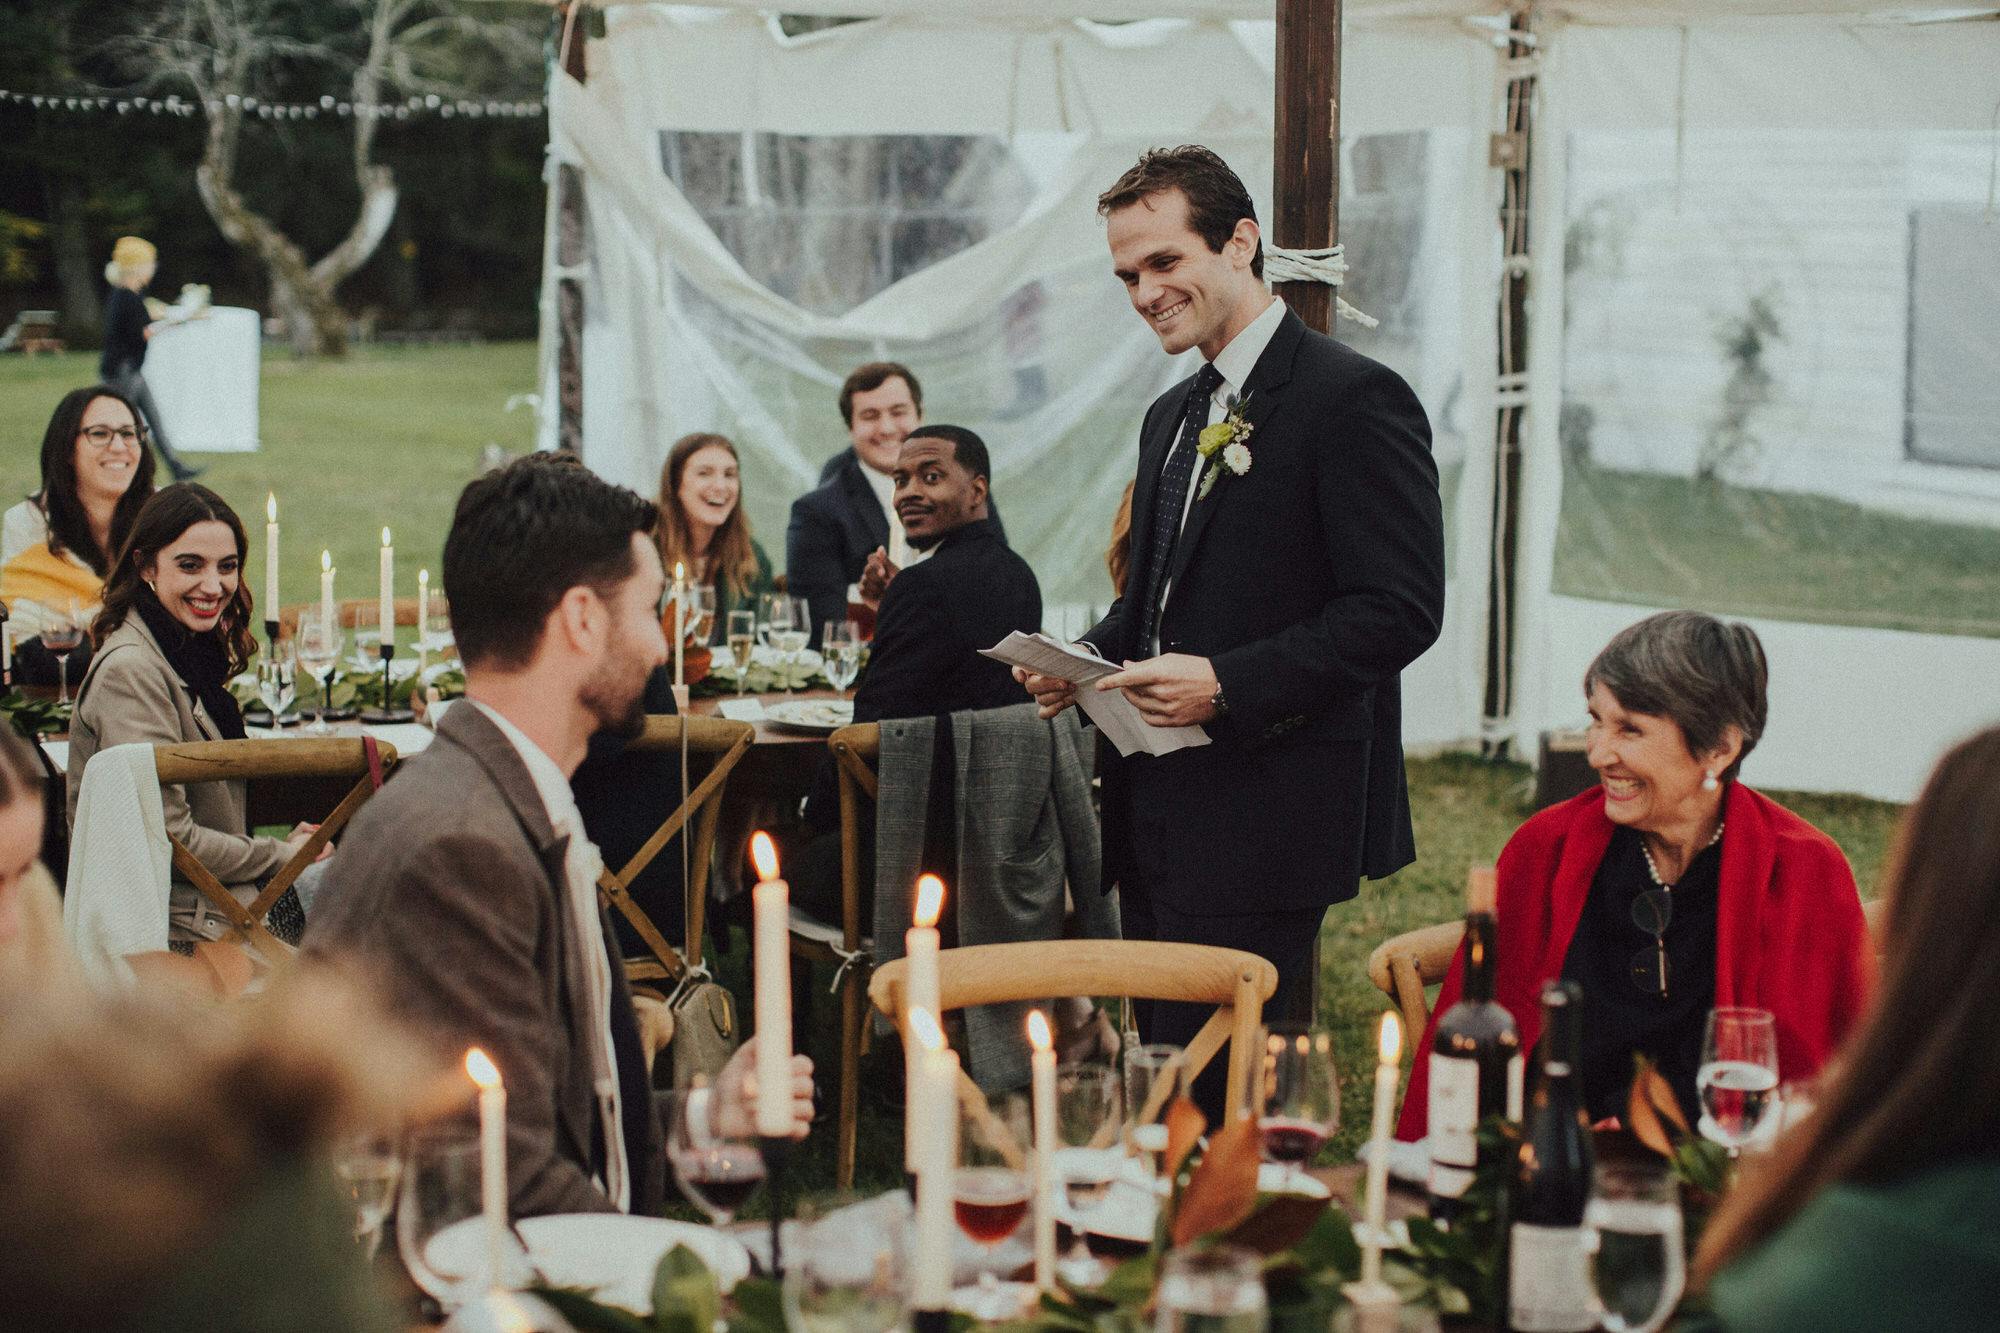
column 1109, row 711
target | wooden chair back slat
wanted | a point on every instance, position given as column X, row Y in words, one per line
column 723, row 743
column 1237, row 983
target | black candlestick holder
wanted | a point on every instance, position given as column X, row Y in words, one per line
column 388, row 712
column 777, row 1156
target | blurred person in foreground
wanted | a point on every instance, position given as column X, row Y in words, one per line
column 127, row 331
column 165, row 1161
column 1755, row 906
column 703, row 526
column 57, row 546
column 1881, row 1210
column 470, row 882
column 33, row 954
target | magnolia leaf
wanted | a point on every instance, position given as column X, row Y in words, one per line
column 1185, row 1123
column 1279, row 1223
column 588, row 1315
column 1223, row 1188
column 684, row 1294
column 1329, row 1246
column 1651, row 1107
column 759, row 1307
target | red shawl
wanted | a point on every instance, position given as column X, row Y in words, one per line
column 1789, row 936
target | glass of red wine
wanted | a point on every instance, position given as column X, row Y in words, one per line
column 1296, row 1098
column 62, row 636
column 716, row 1170
column 990, row 1193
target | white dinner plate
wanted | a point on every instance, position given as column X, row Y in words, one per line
column 612, row 1254
column 819, row 715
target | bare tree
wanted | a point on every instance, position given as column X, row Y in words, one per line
column 227, row 51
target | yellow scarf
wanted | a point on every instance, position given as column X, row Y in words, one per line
column 37, row 585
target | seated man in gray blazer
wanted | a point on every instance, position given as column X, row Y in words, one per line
column 469, row 884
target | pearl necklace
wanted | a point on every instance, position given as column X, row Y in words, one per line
column 1654, row 870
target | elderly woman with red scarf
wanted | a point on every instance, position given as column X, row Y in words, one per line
column 1671, row 888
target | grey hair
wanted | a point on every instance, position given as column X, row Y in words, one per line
column 1705, row 674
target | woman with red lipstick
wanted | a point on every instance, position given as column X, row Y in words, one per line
column 703, row 526
column 1671, row 888
column 174, row 629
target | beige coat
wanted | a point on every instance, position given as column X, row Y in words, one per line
column 132, row 694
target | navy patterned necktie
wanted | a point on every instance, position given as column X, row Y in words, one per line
column 1170, row 502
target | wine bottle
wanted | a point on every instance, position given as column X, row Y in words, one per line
column 1476, row 1065
column 1548, row 1270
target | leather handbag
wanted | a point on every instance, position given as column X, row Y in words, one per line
column 705, row 1030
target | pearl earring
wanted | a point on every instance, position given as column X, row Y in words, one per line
column 1708, row 782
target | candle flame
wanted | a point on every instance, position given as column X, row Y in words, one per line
column 386, row 539
column 480, row 1069
column 924, row 1027
column 1038, row 1030
column 271, row 506
column 326, row 562
column 680, row 571
column 1391, row 1045
column 423, row 576
column 765, row 854
column 930, row 900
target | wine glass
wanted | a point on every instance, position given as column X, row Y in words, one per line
column 62, row 636
column 786, row 624
column 318, row 648
column 990, row 1190
column 1637, row 1262
column 1296, row 1099
column 700, row 623
column 367, row 1168
column 439, row 1228
column 277, row 680
column 1738, row 1078
column 840, row 642
column 717, row 1171
column 846, row 1269
column 1086, row 1161
column 1211, row 1289
column 1152, row 1074
column 741, row 638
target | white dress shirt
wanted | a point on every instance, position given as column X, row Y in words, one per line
column 1234, row 363
column 581, row 864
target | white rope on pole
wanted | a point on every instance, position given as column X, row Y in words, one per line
column 1328, row 266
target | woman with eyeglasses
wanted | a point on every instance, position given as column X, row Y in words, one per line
column 1670, row 888
column 57, row 546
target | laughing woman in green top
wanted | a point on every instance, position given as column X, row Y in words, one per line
column 1882, row 1210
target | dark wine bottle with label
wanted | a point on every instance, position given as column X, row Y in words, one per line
column 1475, row 1061
column 1549, row 1288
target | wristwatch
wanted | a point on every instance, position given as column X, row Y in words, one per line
column 1220, row 704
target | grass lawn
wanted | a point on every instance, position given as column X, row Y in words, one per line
column 390, row 435
column 386, row 437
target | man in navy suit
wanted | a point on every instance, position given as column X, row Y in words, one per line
column 1277, row 590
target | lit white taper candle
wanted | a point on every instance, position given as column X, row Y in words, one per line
column 492, row 1158
column 772, row 950
column 680, row 623
column 1042, row 1068
column 423, row 624
column 271, row 556
column 326, row 589
column 385, row 598
column 933, row 1120
column 920, row 946
column 1390, row 1049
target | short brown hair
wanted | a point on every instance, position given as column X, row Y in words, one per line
column 1704, row 674
column 1216, row 198
column 868, row 378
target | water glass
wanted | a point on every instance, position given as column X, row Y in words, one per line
column 318, row 649
column 840, row 644
column 786, row 626
column 438, row 1220
column 846, row 1265
column 367, row 1169
column 1738, row 1078
column 1214, row 1289
column 1639, row 1263
column 277, row 680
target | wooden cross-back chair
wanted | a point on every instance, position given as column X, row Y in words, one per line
column 359, row 612
column 267, row 760
column 1236, row 982
column 718, row 744
column 846, row 945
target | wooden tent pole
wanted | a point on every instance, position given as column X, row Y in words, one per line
column 1305, row 158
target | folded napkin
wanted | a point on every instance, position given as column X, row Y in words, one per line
column 116, row 899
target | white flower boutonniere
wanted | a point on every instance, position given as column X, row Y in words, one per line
column 1225, row 445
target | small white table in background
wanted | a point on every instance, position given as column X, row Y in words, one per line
column 204, row 378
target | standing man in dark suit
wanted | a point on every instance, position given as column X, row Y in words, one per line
column 1287, row 564
column 472, row 884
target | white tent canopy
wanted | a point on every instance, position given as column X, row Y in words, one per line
column 681, row 335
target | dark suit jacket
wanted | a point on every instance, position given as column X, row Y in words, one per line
column 936, row 616
column 833, row 531
column 623, row 794
column 450, row 883
column 1310, row 582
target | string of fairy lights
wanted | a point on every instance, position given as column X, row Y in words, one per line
column 429, row 104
